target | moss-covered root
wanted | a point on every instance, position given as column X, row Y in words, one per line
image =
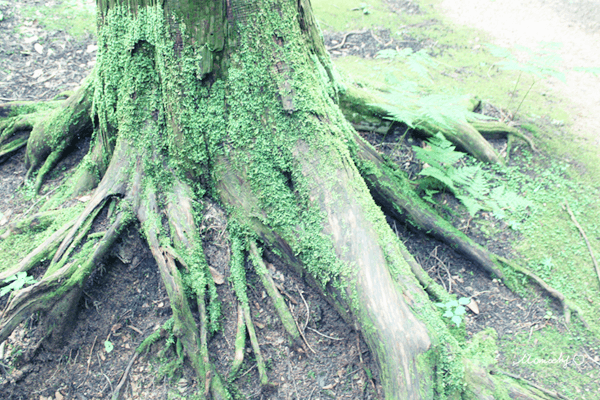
column 484, row 384
column 14, row 133
column 37, row 221
column 499, row 130
column 282, row 310
column 433, row 289
column 364, row 109
column 51, row 136
column 57, row 294
column 567, row 305
column 391, row 190
column 482, row 380
column 184, row 324
column 40, row 253
column 240, row 344
column 260, row 361
column 16, row 122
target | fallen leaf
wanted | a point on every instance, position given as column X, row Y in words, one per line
column 39, row 48
column 37, row 73
column 217, row 276
column 58, row 395
column 329, row 387
column 85, row 198
column 473, row 307
column 91, row 48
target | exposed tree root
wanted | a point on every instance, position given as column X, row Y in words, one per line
column 260, row 361
column 272, row 146
column 362, row 109
column 431, row 287
column 585, row 238
column 391, row 190
column 58, row 292
column 7, row 150
column 37, row 221
column 42, row 252
column 17, row 119
column 240, row 344
column 282, row 310
column 499, row 130
column 550, row 393
column 14, row 133
column 51, row 136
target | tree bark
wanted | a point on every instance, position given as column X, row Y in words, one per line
column 238, row 100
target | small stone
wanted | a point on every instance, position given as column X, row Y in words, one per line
column 58, row 395
column 39, row 48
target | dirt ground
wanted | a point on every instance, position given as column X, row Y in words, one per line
column 126, row 300
column 575, row 24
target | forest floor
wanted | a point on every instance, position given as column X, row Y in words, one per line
column 127, row 300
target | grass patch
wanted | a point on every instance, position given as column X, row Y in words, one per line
column 76, row 17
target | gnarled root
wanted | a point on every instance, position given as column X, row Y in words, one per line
column 17, row 119
column 51, row 136
column 366, row 111
column 365, row 293
column 392, row 191
column 282, row 310
column 57, row 293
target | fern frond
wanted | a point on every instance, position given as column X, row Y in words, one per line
column 464, row 175
column 439, row 175
column 478, row 187
column 472, row 205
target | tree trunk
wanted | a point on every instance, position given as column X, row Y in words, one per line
column 237, row 100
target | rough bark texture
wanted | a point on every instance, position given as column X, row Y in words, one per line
column 238, row 100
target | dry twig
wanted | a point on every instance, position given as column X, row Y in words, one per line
column 584, row 238
column 343, row 42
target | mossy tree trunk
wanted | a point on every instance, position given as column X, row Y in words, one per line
column 237, row 100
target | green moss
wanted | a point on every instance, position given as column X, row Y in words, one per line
column 249, row 121
column 13, row 247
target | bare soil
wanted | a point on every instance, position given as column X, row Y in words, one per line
column 126, row 300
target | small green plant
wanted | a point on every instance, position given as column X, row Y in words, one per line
column 547, row 265
column 17, row 282
column 455, row 309
column 549, row 315
column 468, row 183
column 108, row 346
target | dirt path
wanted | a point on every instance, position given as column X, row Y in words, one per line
column 573, row 23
